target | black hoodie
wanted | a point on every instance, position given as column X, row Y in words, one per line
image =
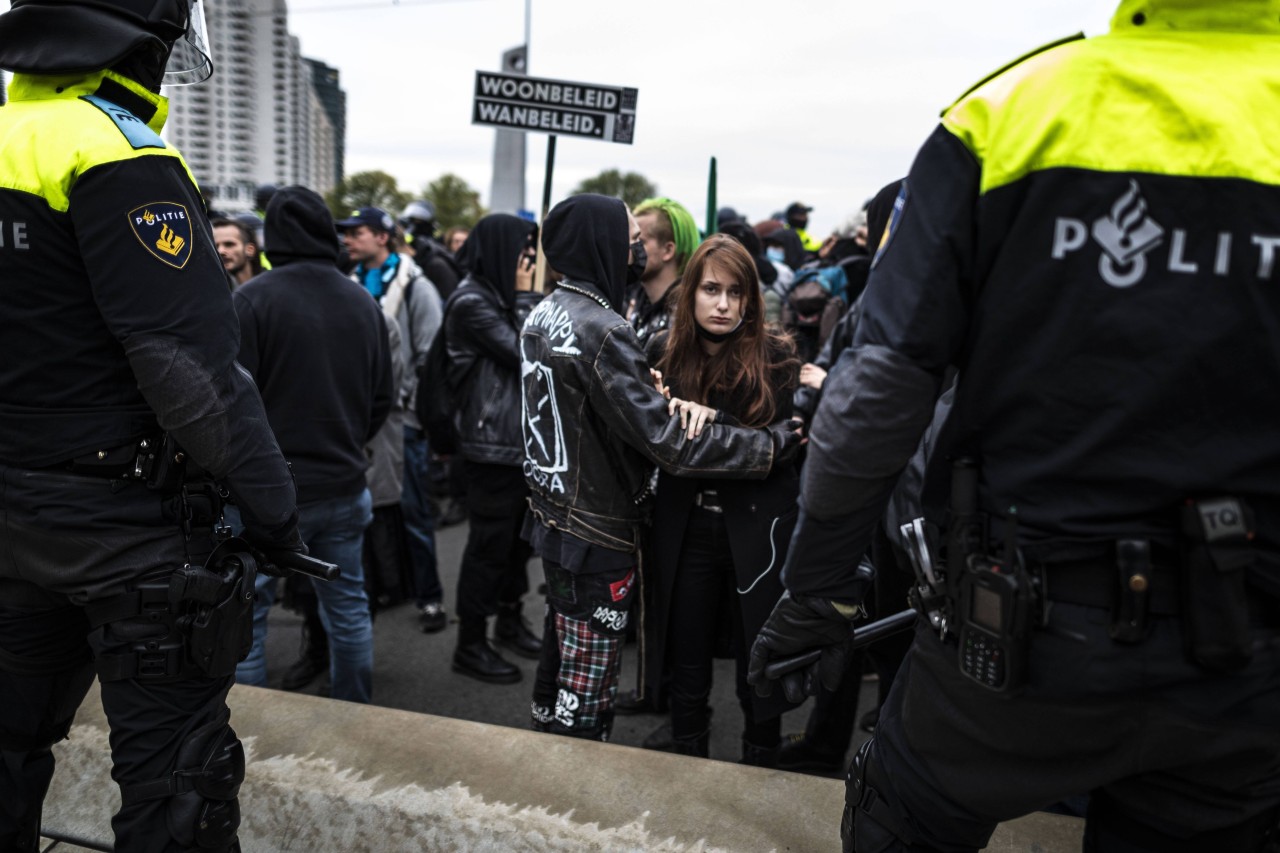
column 586, row 239
column 298, row 226
column 492, row 250
column 316, row 344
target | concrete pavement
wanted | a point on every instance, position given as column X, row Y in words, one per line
column 412, row 670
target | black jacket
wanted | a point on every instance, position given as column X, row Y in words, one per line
column 1112, row 318
column 759, row 516
column 316, row 343
column 484, row 371
column 593, row 422
column 482, row 330
column 115, row 319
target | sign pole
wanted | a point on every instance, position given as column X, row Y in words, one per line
column 546, row 183
column 540, row 273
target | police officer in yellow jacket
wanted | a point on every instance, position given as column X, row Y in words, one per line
column 1091, row 238
column 124, row 421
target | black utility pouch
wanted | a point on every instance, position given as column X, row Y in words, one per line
column 1216, row 550
column 1129, row 623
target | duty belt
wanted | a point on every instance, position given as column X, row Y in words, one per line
column 112, row 463
column 1097, row 583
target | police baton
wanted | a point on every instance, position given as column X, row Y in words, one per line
column 303, row 564
column 863, row 636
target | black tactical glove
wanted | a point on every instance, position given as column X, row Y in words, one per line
column 287, row 538
column 787, row 440
column 800, row 624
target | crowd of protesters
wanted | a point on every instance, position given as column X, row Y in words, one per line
column 731, row 333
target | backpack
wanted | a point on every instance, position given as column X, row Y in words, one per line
column 810, row 312
column 435, row 403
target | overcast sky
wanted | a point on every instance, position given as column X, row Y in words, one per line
column 821, row 101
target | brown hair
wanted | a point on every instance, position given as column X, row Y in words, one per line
column 743, row 369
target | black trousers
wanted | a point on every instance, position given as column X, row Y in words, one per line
column 704, row 580
column 495, row 560
column 72, row 541
column 1156, row 739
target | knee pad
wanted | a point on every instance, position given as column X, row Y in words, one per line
column 195, row 621
column 871, row 823
column 203, row 813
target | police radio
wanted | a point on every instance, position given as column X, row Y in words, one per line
column 995, row 613
column 993, row 599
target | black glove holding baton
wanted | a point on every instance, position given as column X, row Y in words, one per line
column 806, row 640
column 800, row 624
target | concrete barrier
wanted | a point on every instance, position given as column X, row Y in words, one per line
column 333, row 776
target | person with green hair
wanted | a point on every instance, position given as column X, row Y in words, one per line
column 670, row 238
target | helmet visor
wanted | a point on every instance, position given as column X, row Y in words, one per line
column 192, row 59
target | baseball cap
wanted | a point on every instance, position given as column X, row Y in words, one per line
column 797, row 207
column 375, row 217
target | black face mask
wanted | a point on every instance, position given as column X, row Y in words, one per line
column 718, row 337
column 639, row 260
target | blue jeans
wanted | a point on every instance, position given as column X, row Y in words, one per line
column 334, row 531
column 419, row 518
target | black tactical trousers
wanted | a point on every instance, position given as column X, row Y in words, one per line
column 1159, row 743
column 71, row 541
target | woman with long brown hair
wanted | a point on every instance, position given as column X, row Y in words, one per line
column 718, row 542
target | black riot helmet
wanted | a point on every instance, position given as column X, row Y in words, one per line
column 78, row 36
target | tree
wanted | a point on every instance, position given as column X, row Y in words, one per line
column 456, row 203
column 632, row 187
column 367, row 189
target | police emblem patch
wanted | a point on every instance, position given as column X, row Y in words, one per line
column 164, row 229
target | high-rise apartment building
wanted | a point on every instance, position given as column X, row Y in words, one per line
column 324, row 81
column 260, row 118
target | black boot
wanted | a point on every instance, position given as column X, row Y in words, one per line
column 699, row 745
column 659, row 739
column 481, row 662
column 511, row 632
column 759, row 756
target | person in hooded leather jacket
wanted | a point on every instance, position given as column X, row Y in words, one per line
column 482, row 333
column 594, row 426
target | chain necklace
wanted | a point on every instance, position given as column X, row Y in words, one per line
column 564, row 285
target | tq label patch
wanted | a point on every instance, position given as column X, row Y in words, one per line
column 164, row 229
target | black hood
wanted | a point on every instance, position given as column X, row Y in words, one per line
column 585, row 238
column 493, row 249
column 300, row 227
